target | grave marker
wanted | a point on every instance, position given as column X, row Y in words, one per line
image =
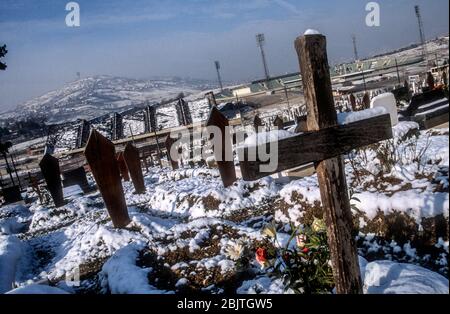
column 131, row 157
column 324, row 144
column 278, row 123
column 101, row 157
column 50, row 171
column 387, row 101
column 353, row 102
column 226, row 168
column 257, row 123
column 211, row 98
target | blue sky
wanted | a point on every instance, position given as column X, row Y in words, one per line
column 141, row 39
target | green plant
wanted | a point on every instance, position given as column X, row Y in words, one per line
column 305, row 266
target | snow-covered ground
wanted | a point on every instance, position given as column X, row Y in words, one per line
column 185, row 224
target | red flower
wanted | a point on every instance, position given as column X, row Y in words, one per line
column 261, row 255
column 305, row 250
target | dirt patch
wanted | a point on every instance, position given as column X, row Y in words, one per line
column 211, row 203
column 396, row 226
column 310, row 211
column 251, row 213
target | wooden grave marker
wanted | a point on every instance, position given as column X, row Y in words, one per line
column 122, row 167
column 52, row 175
column 353, row 102
column 101, row 157
column 257, row 123
column 324, row 144
column 226, row 168
column 169, row 142
column 278, row 123
column 133, row 162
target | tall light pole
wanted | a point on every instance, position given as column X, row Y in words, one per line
column 422, row 34
column 219, row 78
column 260, row 41
column 398, row 72
column 355, row 49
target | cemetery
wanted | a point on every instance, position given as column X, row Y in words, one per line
column 357, row 201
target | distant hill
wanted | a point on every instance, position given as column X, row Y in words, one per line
column 91, row 97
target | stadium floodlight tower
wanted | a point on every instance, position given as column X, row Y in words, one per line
column 260, row 41
column 219, row 78
column 421, row 33
column 355, row 49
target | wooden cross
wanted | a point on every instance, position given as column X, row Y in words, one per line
column 50, row 171
column 101, row 157
column 122, row 167
column 131, row 157
column 226, row 168
column 324, row 144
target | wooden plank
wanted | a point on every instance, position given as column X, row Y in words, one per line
column 50, row 171
column 278, row 123
column 101, row 156
column 169, row 142
column 226, row 168
column 122, row 167
column 313, row 59
column 131, row 157
column 319, row 145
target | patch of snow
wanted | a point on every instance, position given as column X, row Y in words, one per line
column 37, row 289
column 349, row 117
column 312, row 32
column 263, row 285
column 260, row 138
column 10, row 253
column 386, row 277
column 121, row 275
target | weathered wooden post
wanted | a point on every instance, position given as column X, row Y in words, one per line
column 131, row 157
column 301, row 124
column 353, row 102
column 50, row 171
column 211, row 98
column 366, row 101
column 278, row 123
column 257, row 123
column 313, row 59
column 122, row 167
column 226, row 167
column 169, row 143
column 101, row 157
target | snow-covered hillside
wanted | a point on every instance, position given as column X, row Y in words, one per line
column 95, row 96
